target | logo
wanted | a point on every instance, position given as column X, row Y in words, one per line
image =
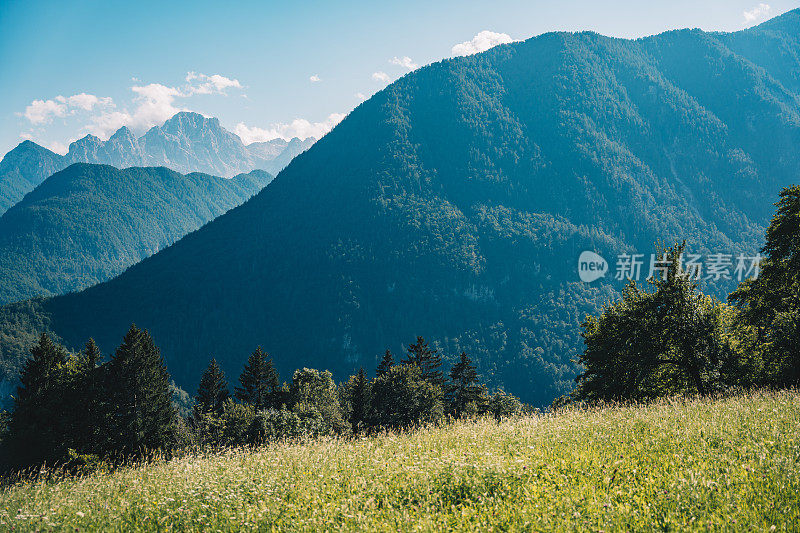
column 591, row 267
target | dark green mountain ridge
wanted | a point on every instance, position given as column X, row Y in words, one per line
column 88, row 223
column 454, row 205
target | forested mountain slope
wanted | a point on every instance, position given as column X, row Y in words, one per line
column 454, row 205
column 88, row 223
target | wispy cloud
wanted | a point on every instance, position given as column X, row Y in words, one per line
column 299, row 127
column 758, row 13
column 405, row 62
column 43, row 111
column 481, row 42
column 381, row 76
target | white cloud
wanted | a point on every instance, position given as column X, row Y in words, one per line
column 481, row 42
column 381, row 76
column 214, row 84
column 361, row 96
column 299, row 127
column 43, row 111
column 405, row 62
column 314, row 79
column 761, row 11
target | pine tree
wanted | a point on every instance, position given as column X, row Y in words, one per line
column 38, row 425
column 464, row 389
column 359, row 401
column 138, row 386
column 88, row 394
column 259, row 382
column 386, row 363
column 213, row 390
column 427, row 360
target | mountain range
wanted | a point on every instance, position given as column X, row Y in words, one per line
column 454, row 204
column 87, row 223
column 187, row 142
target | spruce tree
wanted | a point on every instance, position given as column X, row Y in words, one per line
column 464, row 389
column 38, row 428
column 89, row 396
column 213, row 390
column 359, row 401
column 428, row 360
column 138, row 387
column 386, row 363
column 259, row 382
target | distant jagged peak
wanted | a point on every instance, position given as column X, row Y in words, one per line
column 123, row 133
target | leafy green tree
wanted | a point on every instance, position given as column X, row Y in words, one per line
column 770, row 304
column 259, row 382
column 428, row 360
column 39, row 428
column 667, row 340
column 503, row 405
column 212, row 391
column 138, row 388
column 464, row 392
column 314, row 391
column 386, row 363
column 402, row 398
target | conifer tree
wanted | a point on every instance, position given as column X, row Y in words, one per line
column 770, row 304
column 213, row 390
column 138, row 387
column 386, row 363
column 359, row 401
column 259, row 382
column 38, row 426
column 464, row 389
column 428, row 360
column 88, row 395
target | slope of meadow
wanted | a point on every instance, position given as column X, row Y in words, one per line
column 730, row 464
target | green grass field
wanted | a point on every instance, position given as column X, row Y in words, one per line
column 731, row 464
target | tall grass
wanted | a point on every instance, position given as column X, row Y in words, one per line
column 729, row 464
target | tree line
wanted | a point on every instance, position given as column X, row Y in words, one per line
column 76, row 411
column 669, row 338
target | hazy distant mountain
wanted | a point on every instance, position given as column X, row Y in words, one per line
column 454, row 204
column 187, row 142
column 22, row 169
column 88, row 223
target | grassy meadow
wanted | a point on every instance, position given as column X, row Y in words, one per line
column 727, row 465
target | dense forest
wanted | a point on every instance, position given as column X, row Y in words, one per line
column 458, row 200
column 88, row 223
column 81, row 413
column 78, row 411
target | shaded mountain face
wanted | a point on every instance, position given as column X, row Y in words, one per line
column 22, row 169
column 455, row 203
column 187, row 142
column 87, row 223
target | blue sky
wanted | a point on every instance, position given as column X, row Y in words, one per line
column 267, row 68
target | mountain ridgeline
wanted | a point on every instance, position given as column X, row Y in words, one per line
column 187, row 142
column 88, row 223
column 454, row 204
